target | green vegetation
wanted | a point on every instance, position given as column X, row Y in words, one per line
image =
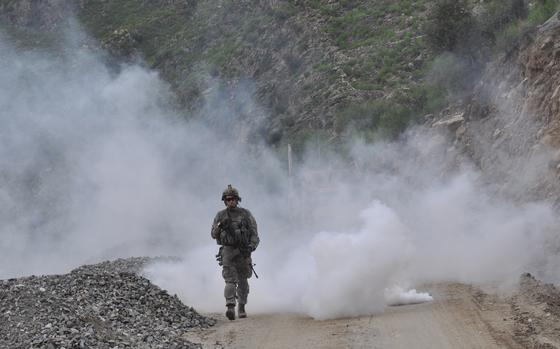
column 26, row 38
column 380, row 65
column 186, row 38
column 219, row 56
column 453, row 26
column 542, row 11
column 508, row 36
column 387, row 118
column 384, row 43
column 450, row 25
column 285, row 11
column 467, row 39
column 453, row 40
column 148, row 22
column 382, row 36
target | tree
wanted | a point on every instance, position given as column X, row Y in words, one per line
column 451, row 25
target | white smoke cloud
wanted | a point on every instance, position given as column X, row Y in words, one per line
column 94, row 165
column 397, row 295
column 447, row 231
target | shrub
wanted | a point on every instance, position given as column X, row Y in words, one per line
column 386, row 118
column 453, row 73
column 450, row 24
column 499, row 13
column 454, row 28
column 541, row 11
column 427, row 98
column 284, row 11
column 509, row 36
column 497, row 16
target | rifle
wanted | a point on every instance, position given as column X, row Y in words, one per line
column 253, row 269
column 246, row 252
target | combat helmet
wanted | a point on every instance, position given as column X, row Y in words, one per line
column 230, row 191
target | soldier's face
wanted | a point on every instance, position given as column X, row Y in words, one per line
column 231, row 202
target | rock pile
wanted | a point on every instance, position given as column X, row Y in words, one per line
column 546, row 295
column 106, row 305
column 536, row 314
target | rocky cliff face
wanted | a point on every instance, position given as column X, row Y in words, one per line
column 510, row 123
column 540, row 67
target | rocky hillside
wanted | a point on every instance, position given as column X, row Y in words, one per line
column 324, row 69
column 312, row 66
column 510, row 122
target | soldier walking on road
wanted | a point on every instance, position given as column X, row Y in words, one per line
column 235, row 230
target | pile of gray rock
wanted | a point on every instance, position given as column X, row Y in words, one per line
column 538, row 292
column 106, row 305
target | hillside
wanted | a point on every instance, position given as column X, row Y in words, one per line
column 316, row 69
column 313, row 67
column 509, row 122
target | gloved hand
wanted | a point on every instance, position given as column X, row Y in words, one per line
column 225, row 223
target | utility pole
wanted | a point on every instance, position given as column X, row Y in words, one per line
column 291, row 198
column 289, row 160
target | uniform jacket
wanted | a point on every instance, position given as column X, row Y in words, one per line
column 242, row 230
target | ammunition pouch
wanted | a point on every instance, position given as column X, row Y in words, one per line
column 237, row 236
column 227, row 239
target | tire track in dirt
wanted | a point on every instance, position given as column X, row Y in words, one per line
column 460, row 317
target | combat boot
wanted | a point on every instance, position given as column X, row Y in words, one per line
column 230, row 312
column 241, row 311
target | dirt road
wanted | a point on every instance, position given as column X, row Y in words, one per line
column 460, row 316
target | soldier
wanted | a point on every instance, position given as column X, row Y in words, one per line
column 235, row 229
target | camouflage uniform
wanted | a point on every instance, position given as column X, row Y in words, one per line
column 237, row 244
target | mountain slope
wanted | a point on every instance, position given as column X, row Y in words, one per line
column 312, row 67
